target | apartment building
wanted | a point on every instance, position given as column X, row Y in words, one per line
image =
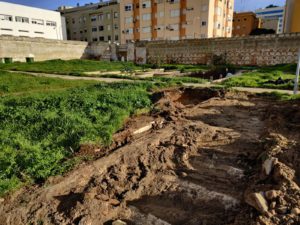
column 19, row 20
column 244, row 23
column 272, row 18
column 175, row 19
column 135, row 20
column 292, row 12
column 93, row 22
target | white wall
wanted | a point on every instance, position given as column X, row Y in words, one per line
column 15, row 28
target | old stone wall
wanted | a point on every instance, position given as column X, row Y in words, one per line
column 41, row 49
column 258, row 50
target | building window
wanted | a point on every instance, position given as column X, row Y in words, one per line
column 174, row 1
column 116, row 26
column 6, row 17
column 93, row 18
column 146, row 4
column 129, row 20
column 24, row 31
column 161, row 14
column 22, row 19
column 146, row 16
column 108, row 16
column 203, row 23
column 116, row 15
column 108, row 27
column 94, row 29
column 95, row 39
column 38, row 32
column 101, row 16
column 175, row 13
column 101, row 28
column 6, row 29
column 204, row 8
column 101, row 38
column 146, row 29
column 128, row 7
column 116, row 37
column 37, row 21
column 109, row 38
column 51, row 23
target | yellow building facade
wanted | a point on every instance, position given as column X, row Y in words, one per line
column 292, row 16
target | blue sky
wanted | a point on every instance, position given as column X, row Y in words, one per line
column 240, row 5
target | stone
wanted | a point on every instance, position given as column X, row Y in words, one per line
column 272, row 194
column 272, row 205
column 282, row 210
column 119, row 222
column 114, row 202
column 268, row 165
column 295, row 211
column 258, row 201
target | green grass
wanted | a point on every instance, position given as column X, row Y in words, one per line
column 280, row 96
column 14, row 83
column 180, row 67
column 70, row 67
column 172, row 79
column 261, row 76
column 41, row 131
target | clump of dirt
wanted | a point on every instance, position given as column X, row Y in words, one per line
column 201, row 157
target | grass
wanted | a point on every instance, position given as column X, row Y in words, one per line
column 172, row 79
column 70, row 67
column 259, row 78
column 280, row 96
column 180, row 67
column 14, row 83
column 41, row 131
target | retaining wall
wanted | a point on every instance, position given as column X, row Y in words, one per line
column 19, row 48
column 254, row 50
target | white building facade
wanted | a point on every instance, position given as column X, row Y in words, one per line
column 276, row 14
column 24, row 21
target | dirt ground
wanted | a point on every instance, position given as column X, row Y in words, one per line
column 203, row 157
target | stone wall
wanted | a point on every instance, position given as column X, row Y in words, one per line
column 258, row 50
column 19, row 48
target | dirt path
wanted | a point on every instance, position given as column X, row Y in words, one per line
column 193, row 167
column 113, row 80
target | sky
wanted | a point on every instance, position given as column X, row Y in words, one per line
column 240, row 5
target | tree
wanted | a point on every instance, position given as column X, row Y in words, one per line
column 271, row 6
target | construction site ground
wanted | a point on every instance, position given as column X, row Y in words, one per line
column 201, row 157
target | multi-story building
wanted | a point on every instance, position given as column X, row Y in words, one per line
column 134, row 20
column 93, row 22
column 175, row 19
column 272, row 18
column 244, row 23
column 19, row 20
column 292, row 12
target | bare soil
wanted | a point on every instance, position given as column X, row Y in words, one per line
column 197, row 165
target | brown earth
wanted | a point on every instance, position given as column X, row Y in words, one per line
column 204, row 162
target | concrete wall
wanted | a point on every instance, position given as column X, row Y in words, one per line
column 258, row 50
column 19, row 48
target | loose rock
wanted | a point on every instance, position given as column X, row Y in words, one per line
column 295, row 211
column 119, row 222
column 258, row 201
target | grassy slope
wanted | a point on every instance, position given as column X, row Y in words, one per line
column 259, row 77
column 41, row 131
column 72, row 67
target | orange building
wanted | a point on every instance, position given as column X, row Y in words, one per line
column 244, row 23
